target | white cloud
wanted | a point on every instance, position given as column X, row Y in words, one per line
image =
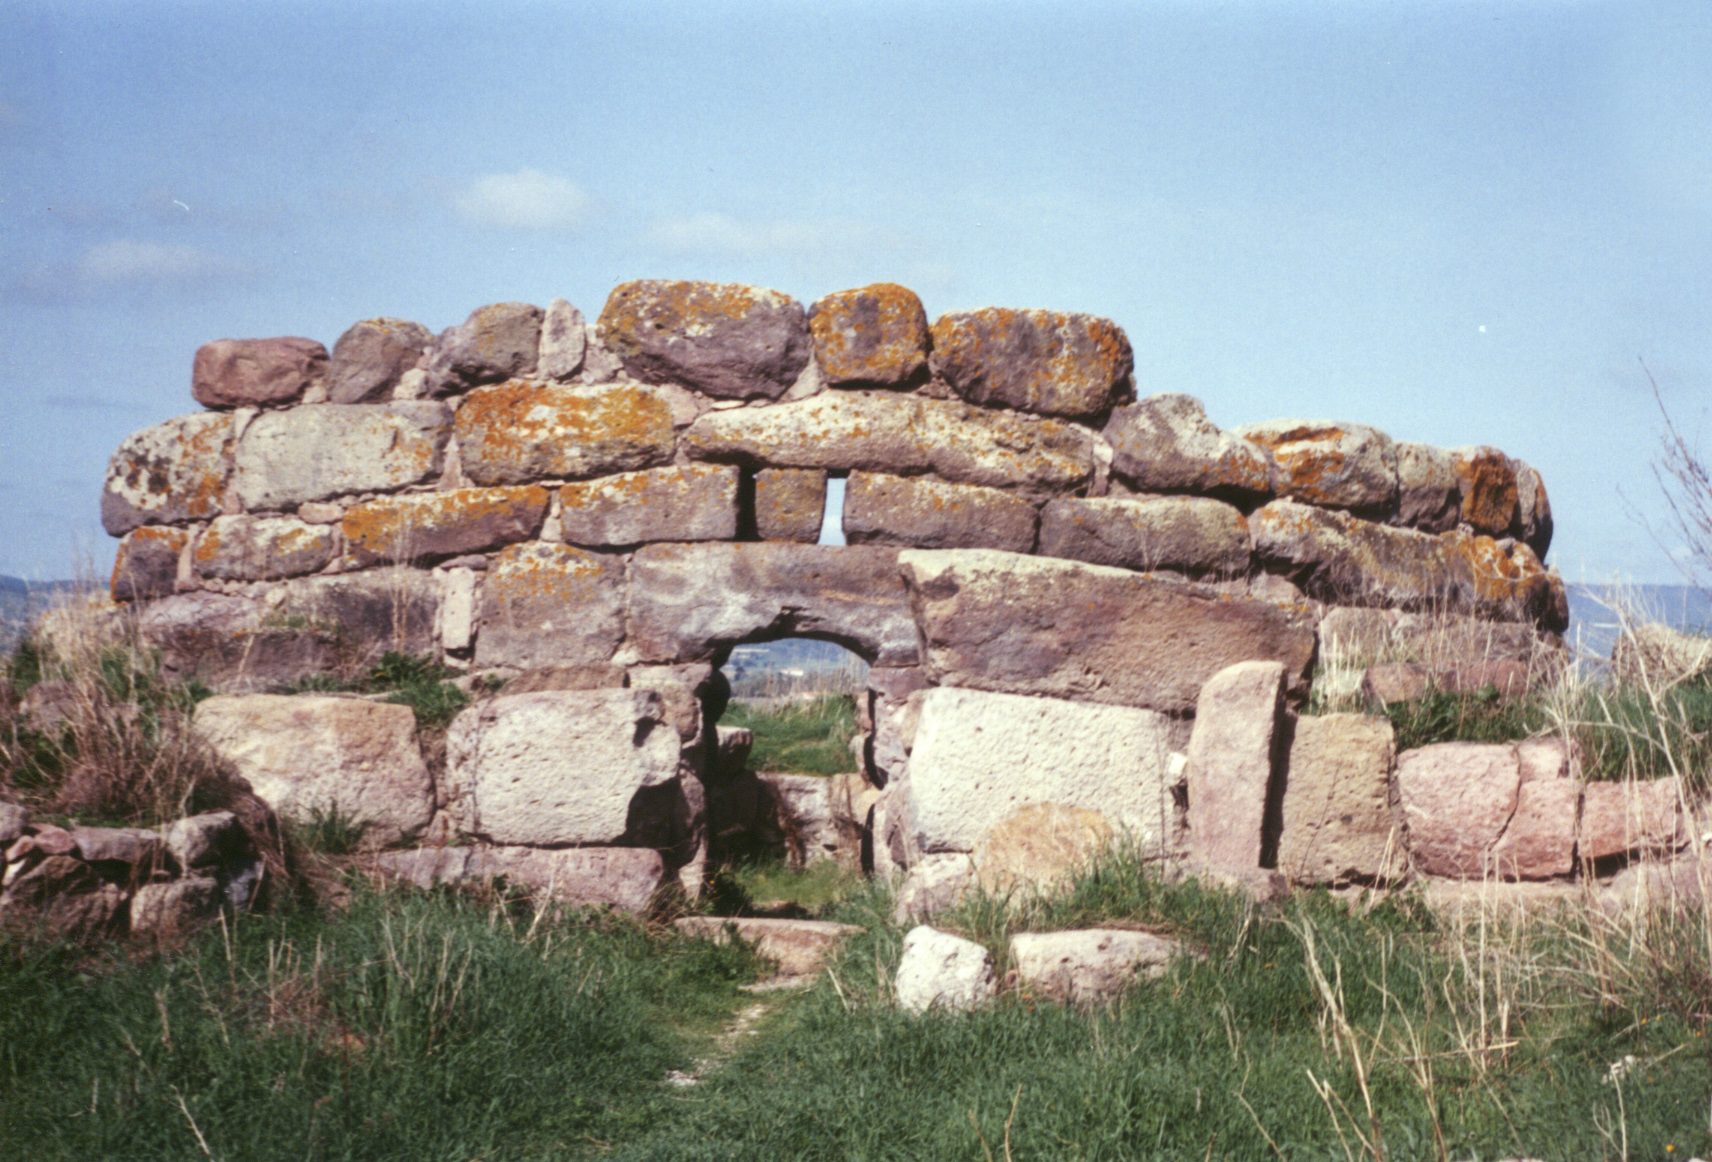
column 127, row 261
column 715, row 233
column 525, row 200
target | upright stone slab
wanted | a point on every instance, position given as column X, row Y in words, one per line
column 548, row 604
column 1049, row 362
column 372, row 356
column 1030, row 625
column 1533, row 525
column 1166, row 443
column 1457, row 799
column 688, row 502
column 564, row 341
column 428, row 525
column 980, row 756
column 313, row 453
column 875, row 336
column 724, row 339
column 1340, row 820
column 521, row 431
column 235, row 373
column 1194, row 535
column 1230, row 763
column 168, row 474
column 930, row 514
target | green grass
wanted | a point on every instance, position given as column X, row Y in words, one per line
column 802, row 738
column 422, row 684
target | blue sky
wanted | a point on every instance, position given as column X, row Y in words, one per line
column 1459, row 222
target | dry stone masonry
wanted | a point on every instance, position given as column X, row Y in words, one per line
column 1048, row 571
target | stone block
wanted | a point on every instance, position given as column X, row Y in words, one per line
column 1340, row 822
column 314, row 453
column 1658, row 657
column 1166, row 443
column 235, row 373
column 497, row 342
column 547, row 604
column 1488, row 485
column 1457, row 799
column 564, row 340
column 372, row 356
column 134, row 847
column 934, row 884
column 13, row 820
column 940, row 971
column 1330, row 464
column 627, row 879
column 1533, row 524
column 170, row 473
column 1628, row 817
column 1539, row 841
column 174, row 907
column 790, row 504
column 1049, row 362
column 1063, row 629
column 931, row 514
column 262, row 548
column 875, row 336
column 689, row 502
column 1193, row 535
column 1230, row 763
column 1088, row 966
column 426, row 526
column 147, row 563
column 1429, row 492
column 210, row 839
column 724, row 339
column 519, row 431
column 62, row 897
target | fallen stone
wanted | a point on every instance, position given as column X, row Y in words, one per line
column 934, row 884
column 1166, row 443
column 62, row 896
column 1193, row 535
column 520, row 431
column 688, row 502
column 1488, row 485
column 1230, row 770
column 564, row 340
column 875, row 336
column 315, row 756
column 146, row 565
column 174, row 907
column 940, row 971
column 687, row 602
column 168, row 474
column 1038, row 850
column 432, row 525
column 235, row 373
column 261, row 548
column 1063, row 629
column 724, row 339
column 371, row 357
column 1048, row 362
column 1680, row 884
column 1429, row 491
column 790, row 504
column 627, row 879
column 314, row 453
column 547, row 605
column 1334, row 465
column 497, row 342
column 1457, row 799
column 557, row 767
column 796, row 947
column 931, row 514
column 43, row 839
column 1340, row 823
column 1088, row 967
column 1629, row 817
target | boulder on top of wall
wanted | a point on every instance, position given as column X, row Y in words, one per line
column 313, row 453
column 1488, row 483
column 725, row 339
column 1533, row 524
column 260, row 548
column 1429, row 491
column 874, row 336
column 147, row 563
column 684, row 502
column 689, row 602
column 564, row 341
column 557, row 767
column 497, row 342
column 427, row 525
column 1340, row 822
column 371, row 356
column 515, row 432
column 1508, row 581
column 1035, row 625
column 309, row 754
column 169, row 473
column 1334, row 465
column 864, row 431
column 980, row 756
column 1166, row 443
column 931, row 514
column 235, row 373
column 547, row 604
column 1050, row 362
column 790, row 504
column 1194, row 535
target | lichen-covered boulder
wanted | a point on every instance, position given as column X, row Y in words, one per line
column 875, row 336
column 371, row 356
column 1335, row 465
column 931, row 514
column 169, row 473
column 1049, row 362
column 495, row 343
column 1488, row 483
column 1166, row 443
column 1193, row 535
column 688, row 502
column 261, row 548
column 518, row 431
column 147, row 562
column 1429, row 491
column 724, row 339
column 547, row 604
column 235, row 373
column 312, row 453
column 428, row 525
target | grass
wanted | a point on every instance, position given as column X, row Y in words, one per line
column 799, row 737
column 422, row 684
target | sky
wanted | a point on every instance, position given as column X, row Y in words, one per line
column 1461, row 223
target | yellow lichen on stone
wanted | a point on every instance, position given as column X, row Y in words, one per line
column 401, row 528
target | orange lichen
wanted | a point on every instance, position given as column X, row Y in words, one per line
column 1489, row 491
column 873, row 335
column 399, row 528
column 518, row 430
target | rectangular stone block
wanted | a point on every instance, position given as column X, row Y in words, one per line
column 1339, row 821
column 1230, row 763
column 931, row 514
column 262, row 548
column 429, row 525
column 147, row 562
column 550, row 605
column 168, row 474
column 790, row 504
column 518, row 431
column 325, row 450
column 691, row 502
column 1193, row 535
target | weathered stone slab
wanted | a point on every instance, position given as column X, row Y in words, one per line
column 147, row 562
column 1340, row 823
column 724, row 339
column 686, row 502
column 167, row 474
column 495, row 343
column 934, row 884
column 235, row 373
column 1089, row 966
column 940, row 971
column 790, row 504
column 1429, row 491
column 1533, row 524
column 564, row 341
column 1539, row 842
column 134, row 847
column 875, row 336
column 371, row 357
column 931, row 514
column 902, row 435
column 515, row 432
column 1049, row 362
column 309, row 754
column 797, row 947
column 688, row 602
column 1336, row 465
column 313, row 453
column 1488, row 486
column 623, row 878
column 258, row 548
column 1230, row 762
column 557, row 767
column 1039, row 849
column 1166, row 443
column 980, row 756
column 1031, row 625
column 1626, row 817
column 1457, row 799
column 209, row 839
column 1195, row 535
column 429, row 525
column 171, row 908
column 547, row 604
